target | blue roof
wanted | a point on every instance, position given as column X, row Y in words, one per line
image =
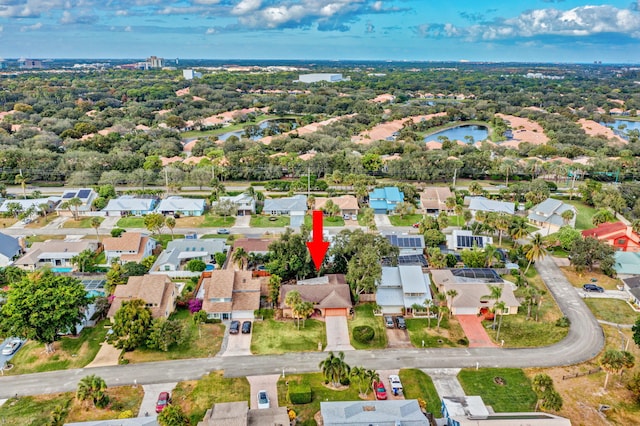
column 385, row 198
column 627, row 263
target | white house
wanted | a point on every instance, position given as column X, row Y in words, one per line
column 129, row 247
column 55, row 254
column 36, row 205
column 245, row 203
column 548, row 215
column 128, row 205
column 295, row 207
column 477, row 204
column 461, row 239
column 86, row 196
column 179, row 252
column 176, row 205
column 401, row 287
column 318, row 77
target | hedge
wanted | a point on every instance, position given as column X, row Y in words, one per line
column 363, row 333
column 299, row 393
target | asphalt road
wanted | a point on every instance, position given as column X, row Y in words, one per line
column 584, row 341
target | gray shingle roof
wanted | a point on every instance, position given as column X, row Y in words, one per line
column 297, row 203
column 9, row 246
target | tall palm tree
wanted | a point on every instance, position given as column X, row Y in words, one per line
column 536, row 251
column 95, row 224
column 239, row 256
column 518, row 230
column 450, row 203
column 507, row 166
column 441, row 303
column 530, row 296
column 334, row 368
column 567, row 215
column 21, row 180
column 502, row 223
column 170, row 221
column 491, row 252
column 292, row 300
column 612, row 361
column 499, row 308
column 75, row 202
column 475, row 188
column 93, row 388
column 452, row 295
column 44, row 209
column 495, row 295
column 428, row 304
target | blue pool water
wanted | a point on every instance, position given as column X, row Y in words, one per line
column 62, row 270
column 209, row 267
column 95, row 293
column 478, row 133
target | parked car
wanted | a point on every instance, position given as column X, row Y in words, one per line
column 164, row 399
column 346, row 217
column 263, row 399
column 380, row 390
column 354, row 217
column 11, row 347
column 246, row 327
column 416, row 225
column 593, row 287
column 400, row 323
column 223, row 231
column 395, row 384
column 234, row 327
column 388, row 322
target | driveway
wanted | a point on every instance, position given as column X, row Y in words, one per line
column 109, row 223
column 267, row 383
column 382, row 220
column 151, row 392
column 337, row 334
column 475, row 331
column 107, row 355
column 384, row 378
column 236, row 344
column 242, row 222
column 397, row 338
column 445, row 381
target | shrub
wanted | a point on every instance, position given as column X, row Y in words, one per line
column 563, row 322
column 464, row 341
column 345, row 381
column 116, row 232
column 299, row 393
column 363, row 333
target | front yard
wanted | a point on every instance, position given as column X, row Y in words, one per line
column 131, row 222
column 364, row 316
column 279, row 336
column 269, row 221
column 407, row 220
column 326, row 221
column 613, row 310
column 417, row 384
column 84, row 222
column 515, row 395
column 450, row 334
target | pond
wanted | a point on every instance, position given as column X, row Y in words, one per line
column 265, row 128
column 458, row 133
column 622, row 127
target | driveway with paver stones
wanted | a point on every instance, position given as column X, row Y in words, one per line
column 475, row 331
column 268, row 383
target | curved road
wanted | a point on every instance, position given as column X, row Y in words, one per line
column 583, row 342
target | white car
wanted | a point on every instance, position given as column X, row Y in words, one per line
column 395, row 384
column 11, row 347
column 263, row 399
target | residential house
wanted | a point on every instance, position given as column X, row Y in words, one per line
column 401, row 287
column 86, row 196
column 133, row 421
column 239, row 414
column 295, row 206
column 548, row 215
column 230, row 294
column 158, row 292
column 9, row 249
column 347, row 204
column 483, row 204
column 128, row 205
column 179, row 252
column 55, row 254
column 253, row 245
column 632, row 286
column 461, row 239
column 384, row 200
column 407, row 244
column 471, row 411
column 622, row 237
column 179, row 206
column 34, row 205
column 627, row 263
column 330, row 295
column 433, row 199
column 472, row 285
column 245, row 203
column 367, row 413
column 129, row 247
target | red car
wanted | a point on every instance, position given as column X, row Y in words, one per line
column 380, row 390
column 164, row 399
column 416, row 225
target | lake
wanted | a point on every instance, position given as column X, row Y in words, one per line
column 265, row 128
column 478, row 133
column 628, row 125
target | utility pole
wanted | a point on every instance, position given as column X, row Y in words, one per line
column 455, row 174
column 166, row 180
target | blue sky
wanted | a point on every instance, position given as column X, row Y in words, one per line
column 478, row 30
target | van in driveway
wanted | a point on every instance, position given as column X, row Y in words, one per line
column 388, row 321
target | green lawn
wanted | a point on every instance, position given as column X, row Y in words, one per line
column 266, row 222
column 213, row 221
column 164, row 239
column 197, row 396
column 84, row 222
column 515, row 395
column 612, row 310
column 585, row 213
column 419, row 330
column 32, row 410
column 517, row 332
column 131, row 222
column 417, row 384
column 71, row 352
column 319, row 393
column 326, row 221
column 364, row 316
column 408, row 220
column 276, row 337
column 226, row 129
column 202, row 342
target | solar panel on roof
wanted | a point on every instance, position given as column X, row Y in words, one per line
column 83, row 193
column 468, row 241
column 69, row 195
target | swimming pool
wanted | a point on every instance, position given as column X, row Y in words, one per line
column 209, row 267
column 95, row 293
column 62, row 270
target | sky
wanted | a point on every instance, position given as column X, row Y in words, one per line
column 566, row 31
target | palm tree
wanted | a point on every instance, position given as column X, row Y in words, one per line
column 567, row 215
column 44, row 209
column 518, row 230
column 217, row 188
column 334, row 368
column 452, row 294
column 22, row 181
column 501, row 223
column 603, row 215
column 95, row 224
column 635, row 226
column 467, row 216
column 536, row 251
column 443, row 220
column 491, row 252
column 93, row 388
column 458, row 209
column 450, row 203
column 303, row 310
column 507, row 166
column 170, row 221
column 75, row 202
column 475, row 188
column 428, row 304
column 530, row 296
column 612, row 361
column 499, row 308
column 292, row 300
column 239, row 256
column 441, row 304
column 495, row 295
column 360, row 374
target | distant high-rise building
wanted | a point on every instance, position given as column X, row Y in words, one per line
column 315, row 78
column 30, row 64
column 155, row 62
column 3, row 64
column 191, row 74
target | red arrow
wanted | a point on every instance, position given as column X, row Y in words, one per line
column 317, row 247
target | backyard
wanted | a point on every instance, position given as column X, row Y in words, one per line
column 364, row 316
column 279, row 336
column 511, row 394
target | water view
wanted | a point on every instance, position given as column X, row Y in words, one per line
column 623, row 127
column 465, row 133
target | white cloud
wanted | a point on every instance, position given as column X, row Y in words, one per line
column 122, row 12
column 210, row 31
column 33, row 27
column 128, row 29
column 246, row 6
column 304, row 12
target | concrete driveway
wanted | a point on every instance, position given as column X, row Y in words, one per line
column 242, row 222
column 151, row 392
column 337, row 334
column 397, row 338
column 445, row 381
column 384, row 378
column 382, row 220
column 236, row 344
column 475, row 331
column 267, row 383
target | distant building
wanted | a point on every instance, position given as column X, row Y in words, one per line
column 30, row 64
column 316, row 78
column 155, row 62
column 191, row 74
column 3, row 64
